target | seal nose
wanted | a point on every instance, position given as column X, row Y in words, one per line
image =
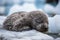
column 44, row 28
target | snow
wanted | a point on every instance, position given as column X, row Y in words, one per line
column 57, row 8
column 52, row 27
column 48, row 8
column 2, row 9
column 51, row 9
column 14, row 8
column 57, row 22
column 16, row 1
column 57, row 39
column 29, row 1
column 30, row 35
column 54, row 24
column 26, row 7
column 2, row 19
column 25, row 35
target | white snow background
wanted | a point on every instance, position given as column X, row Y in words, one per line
column 32, row 34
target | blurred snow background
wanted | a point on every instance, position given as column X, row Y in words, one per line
column 47, row 5
column 51, row 7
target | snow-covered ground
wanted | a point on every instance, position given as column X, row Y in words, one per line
column 26, row 35
column 29, row 35
column 54, row 22
column 54, row 25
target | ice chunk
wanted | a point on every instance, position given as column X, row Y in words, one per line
column 26, row 7
column 48, row 8
column 57, row 8
column 57, row 22
column 14, row 8
column 31, row 1
column 2, row 19
column 16, row 1
column 54, row 24
column 57, row 39
column 30, row 35
column 52, row 27
column 2, row 9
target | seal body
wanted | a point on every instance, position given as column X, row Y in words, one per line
column 39, row 20
column 22, row 21
column 13, row 20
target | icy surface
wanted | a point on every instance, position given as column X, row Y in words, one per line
column 14, row 8
column 2, row 9
column 26, row 7
column 52, row 27
column 26, row 35
column 48, row 8
column 2, row 19
column 57, row 39
column 54, row 24
column 57, row 22
column 51, row 9
column 29, row 1
column 57, row 8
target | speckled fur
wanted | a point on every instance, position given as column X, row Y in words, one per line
column 39, row 20
column 21, row 21
column 10, row 22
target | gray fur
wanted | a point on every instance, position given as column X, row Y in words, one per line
column 21, row 21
